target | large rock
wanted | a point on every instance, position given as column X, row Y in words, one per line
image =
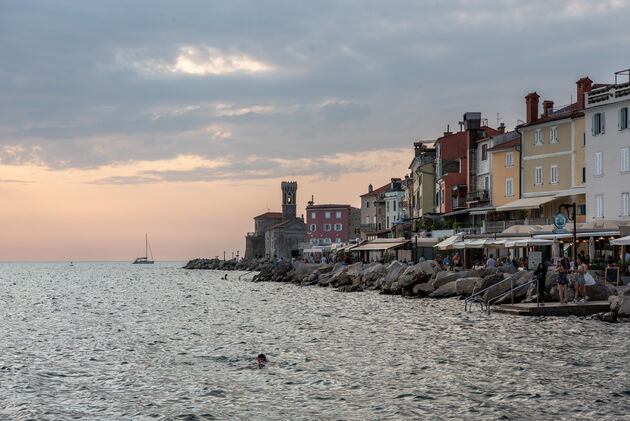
column 447, row 290
column 444, row 278
column 394, row 270
column 499, row 288
column 487, row 282
column 371, row 274
column 422, row 290
column 614, row 301
column 599, row 292
column 355, row 273
column 624, row 306
column 465, row 286
column 417, row 274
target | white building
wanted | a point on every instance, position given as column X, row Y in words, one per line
column 607, row 137
column 394, row 211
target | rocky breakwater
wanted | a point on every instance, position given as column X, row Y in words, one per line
column 233, row 264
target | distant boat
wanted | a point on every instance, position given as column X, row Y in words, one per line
column 147, row 249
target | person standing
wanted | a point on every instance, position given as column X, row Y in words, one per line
column 580, row 282
column 491, row 263
column 562, row 268
column 541, row 275
column 457, row 263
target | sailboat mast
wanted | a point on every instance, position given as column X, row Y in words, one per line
column 146, row 244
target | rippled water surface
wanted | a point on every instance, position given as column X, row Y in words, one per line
column 118, row 341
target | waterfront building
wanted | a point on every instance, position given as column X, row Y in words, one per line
column 373, row 210
column 504, row 169
column 394, row 210
column 607, row 116
column 455, row 182
column 331, row 223
column 277, row 234
column 552, row 157
column 420, row 184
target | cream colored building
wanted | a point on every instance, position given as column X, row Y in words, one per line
column 505, row 172
column 553, row 157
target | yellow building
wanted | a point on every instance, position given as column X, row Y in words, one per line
column 552, row 162
column 505, row 172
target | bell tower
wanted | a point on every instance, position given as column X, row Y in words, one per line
column 289, row 189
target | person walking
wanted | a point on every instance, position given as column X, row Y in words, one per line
column 491, row 263
column 562, row 268
column 540, row 274
column 580, row 282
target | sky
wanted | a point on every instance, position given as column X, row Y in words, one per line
column 181, row 118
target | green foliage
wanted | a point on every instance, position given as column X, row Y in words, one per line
column 456, row 226
column 389, row 257
column 448, row 223
column 521, row 214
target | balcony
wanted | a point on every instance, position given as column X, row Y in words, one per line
column 496, row 227
column 478, row 196
column 368, row 227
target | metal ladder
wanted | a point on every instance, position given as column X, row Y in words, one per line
column 505, row 294
column 477, row 296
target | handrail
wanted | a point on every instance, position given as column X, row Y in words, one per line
column 473, row 298
column 498, row 297
column 246, row 273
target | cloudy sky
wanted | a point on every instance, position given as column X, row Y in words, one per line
column 181, row 118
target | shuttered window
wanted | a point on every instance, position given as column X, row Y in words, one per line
column 538, row 176
column 553, row 134
column 625, row 159
column 538, row 136
column 509, row 187
column 554, row 174
column 625, row 204
column 509, row 159
column 623, row 120
column 598, row 124
column 599, row 206
column 598, row 163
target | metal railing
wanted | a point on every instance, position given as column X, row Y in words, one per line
column 477, row 296
column 505, row 294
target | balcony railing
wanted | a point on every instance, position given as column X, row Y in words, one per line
column 368, row 227
column 478, row 196
column 495, row 227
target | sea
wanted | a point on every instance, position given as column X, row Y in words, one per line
column 116, row 341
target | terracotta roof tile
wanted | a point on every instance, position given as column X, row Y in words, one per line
column 270, row 215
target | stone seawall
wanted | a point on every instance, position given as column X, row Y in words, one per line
column 425, row 279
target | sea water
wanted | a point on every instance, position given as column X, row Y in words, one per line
column 121, row 341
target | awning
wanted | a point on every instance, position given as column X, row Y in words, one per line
column 424, row 242
column 571, row 192
column 457, row 212
column 623, row 241
column 518, row 242
column 448, row 243
column 527, row 203
column 482, row 211
column 380, row 245
column 595, row 234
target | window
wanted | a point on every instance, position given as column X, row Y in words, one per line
column 374, row 203
column 625, row 204
column 509, row 187
column 599, row 206
column 486, row 183
column 538, row 136
column 312, row 215
column 598, row 124
column 623, row 121
column 484, row 152
column 327, row 227
column 583, row 174
column 538, row 176
column 367, row 219
column 625, row 159
column 553, row 134
column 509, row 159
column 367, row 204
column 554, row 174
column 388, row 226
column 387, row 205
column 582, row 210
column 337, row 215
column 374, row 220
column 394, row 205
column 313, row 227
column 442, row 196
column 599, row 170
column 327, row 215
column 337, row 240
column 338, row 227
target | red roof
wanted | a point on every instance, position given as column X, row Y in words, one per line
column 380, row 190
column 511, row 144
column 270, row 215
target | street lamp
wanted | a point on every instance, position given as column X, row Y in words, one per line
column 571, row 213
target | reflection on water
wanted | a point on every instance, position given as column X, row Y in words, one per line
column 116, row 341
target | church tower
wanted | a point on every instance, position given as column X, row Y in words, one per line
column 289, row 189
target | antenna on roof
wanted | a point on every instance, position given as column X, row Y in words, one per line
column 498, row 120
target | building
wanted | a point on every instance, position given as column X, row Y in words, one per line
column 394, row 210
column 456, row 178
column 504, row 169
column 552, row 157
column 255, row 241
column 277, row 234
column 607, row 116
column 420, row 184
column 372, row 209
column 330, row 223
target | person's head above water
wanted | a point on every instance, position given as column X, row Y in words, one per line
column 261, row 360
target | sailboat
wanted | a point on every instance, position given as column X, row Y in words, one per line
column 147, row 249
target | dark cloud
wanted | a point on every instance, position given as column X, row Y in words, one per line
column 82, row 86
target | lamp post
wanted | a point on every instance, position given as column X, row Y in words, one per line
column 571, row 207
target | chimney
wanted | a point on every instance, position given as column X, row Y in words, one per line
column 532, row 107
column 547, row 107
column 370, row 188
column 501, row 128
column 583, row 85
column 448, row 130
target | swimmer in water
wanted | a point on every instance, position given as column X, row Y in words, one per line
column 261, row 360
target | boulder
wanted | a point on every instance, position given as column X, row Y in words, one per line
column 340, row 279
column 422, row 290
column 355, row 273
column 599, row 292
column 371, row 274
column 482, row 273
column 444, row 278
column 324, row 268
column 624, row 306
column 446, row 290
column 518, row 278
column 488, row 281
column 610, row 317
column 417, row 274
column 394, row 270
column 465, row 286
column 614, row 302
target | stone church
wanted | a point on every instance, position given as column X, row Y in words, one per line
column 277, row 234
